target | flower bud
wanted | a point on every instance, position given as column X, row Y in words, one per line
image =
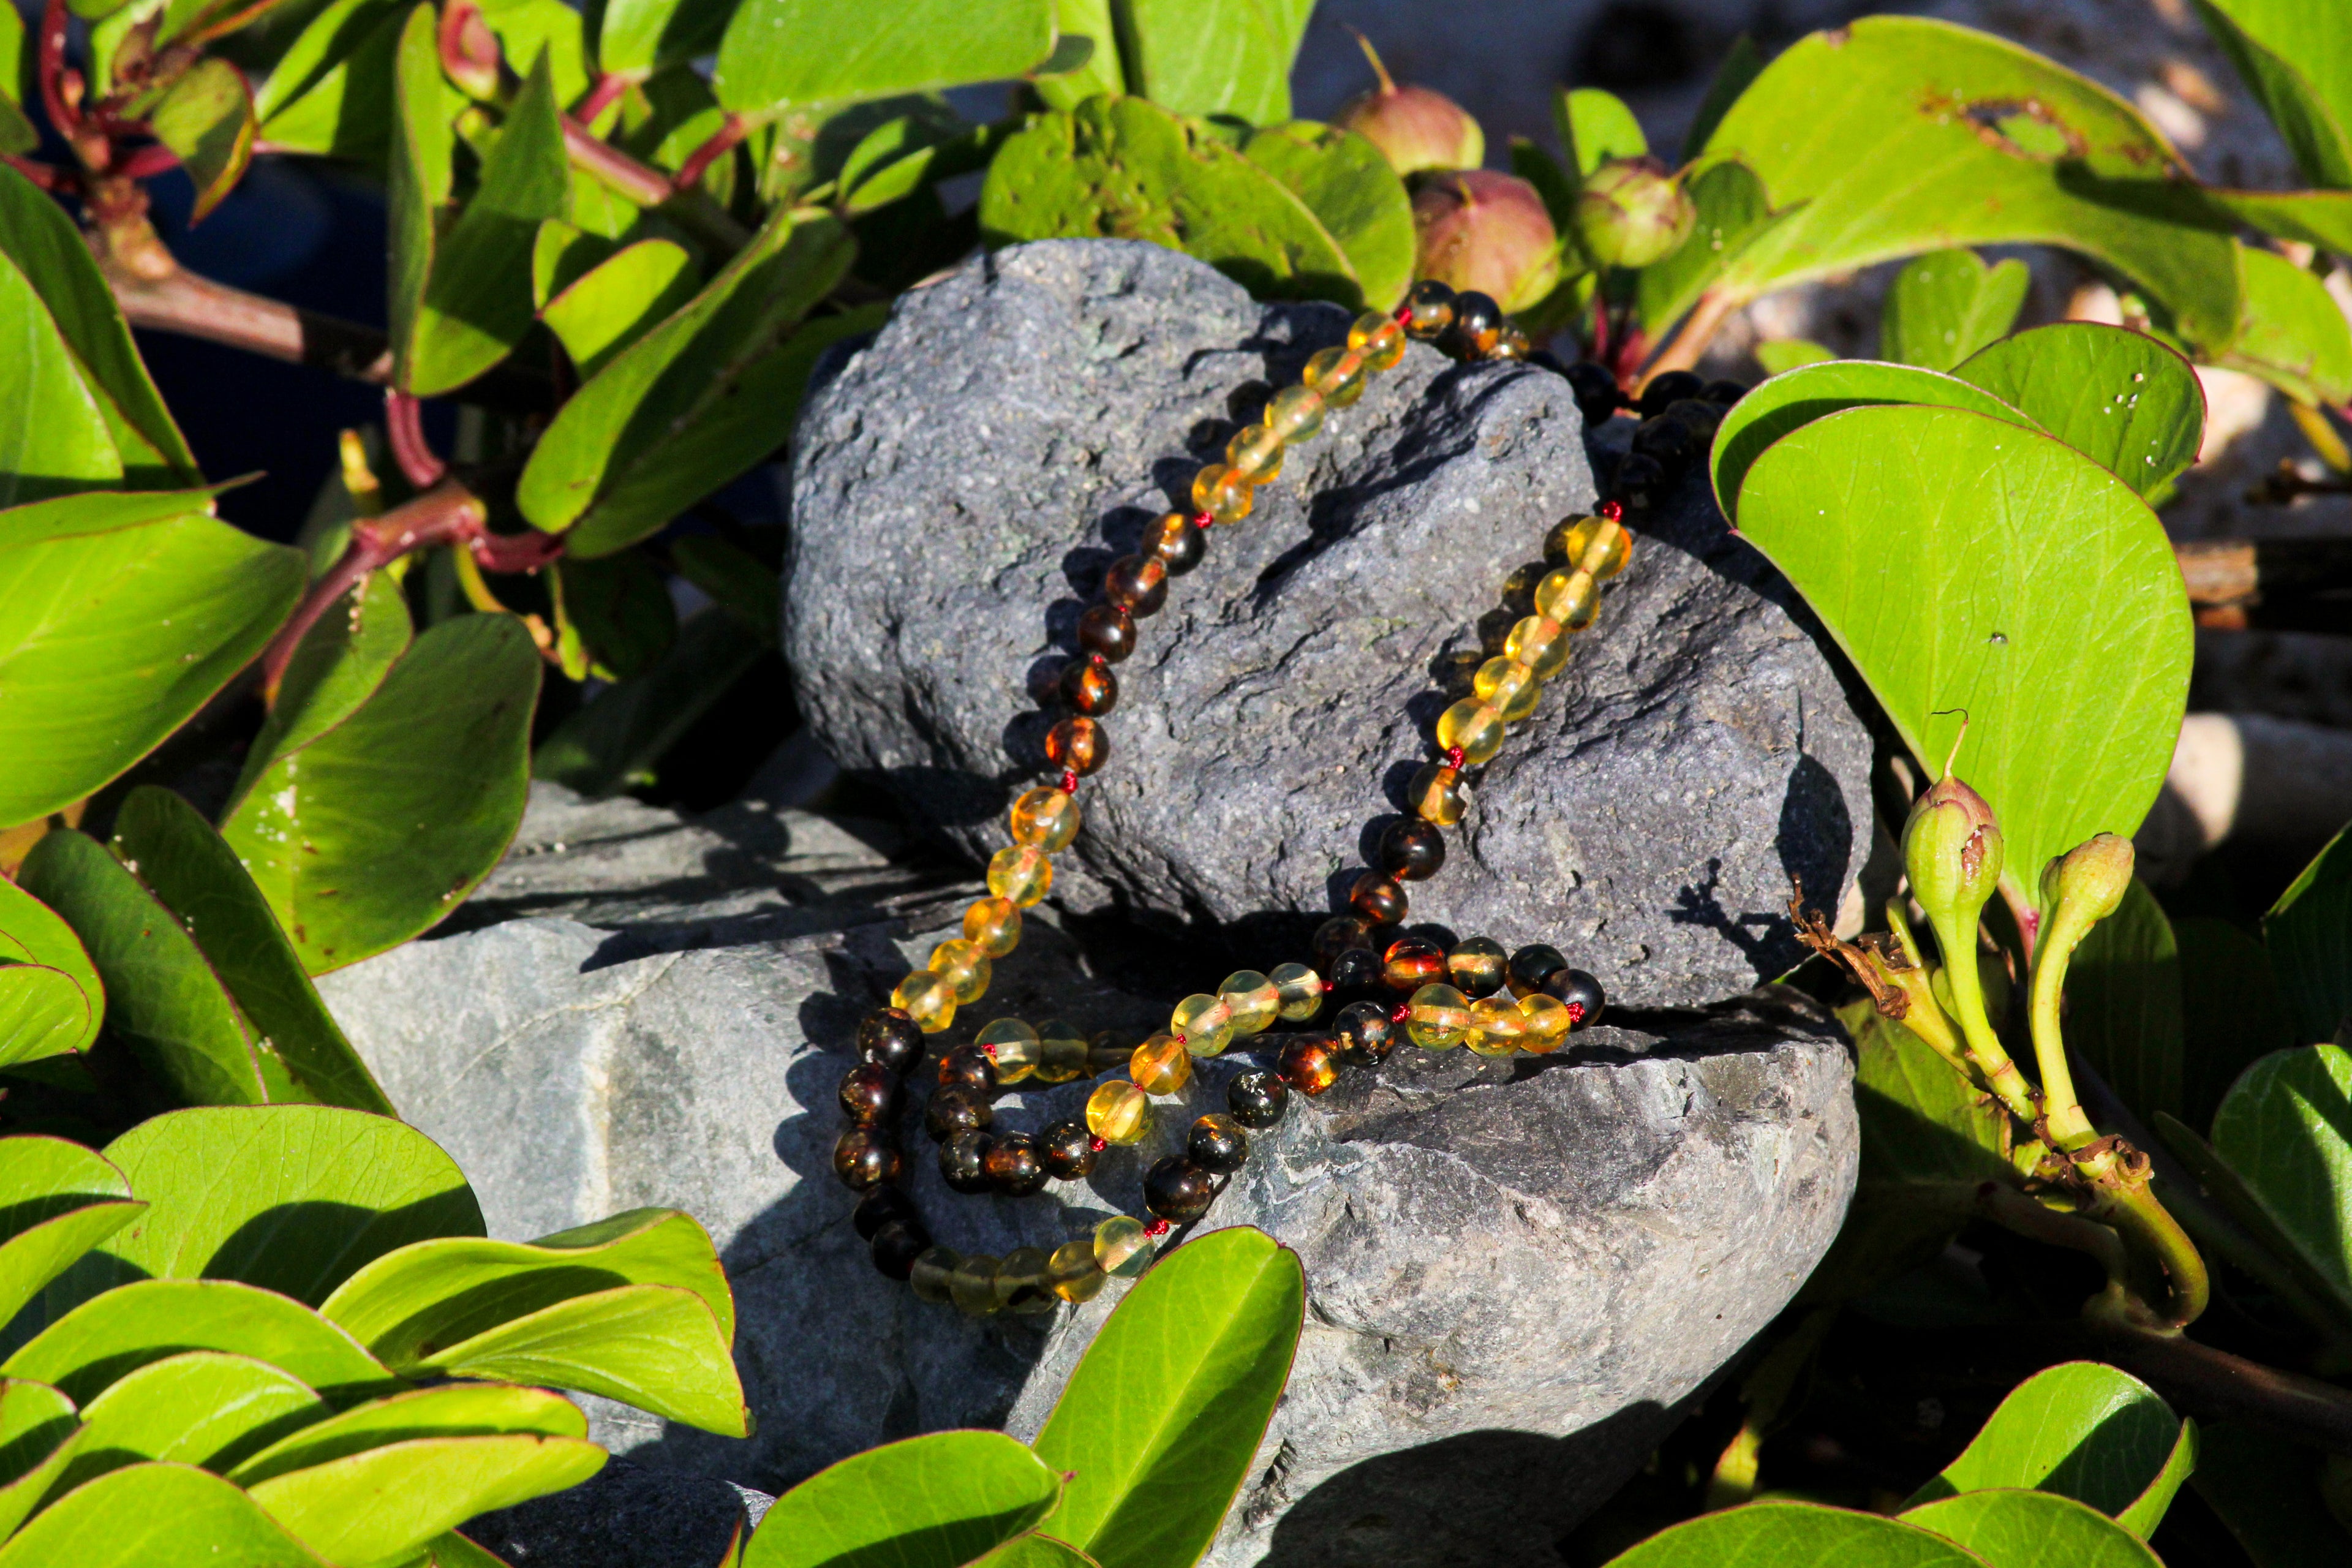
column 1631, row 213
column 1486, row 231
column 1952, row 849
column 2090, row 877
column 1415, row 127
column 469, row 50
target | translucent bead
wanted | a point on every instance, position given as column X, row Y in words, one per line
column 973, row 1286
column 1428, row 308
column 927, row 998
column 1137, row 585
column 1474, row 727
column 1339, row 375
column 1376, row 335
column 1205, row 1024
column 1176, row 542
column 1088, row 686
column 1047, row 818
column 1300, row 990
column 1160, row 1064
column 1118, row 1113
column 1256, row 454
column 1013, row 1045
column 1019, row 872
column 1569, row 597
column 1477, row 966
column 1296, row 414
column 1436, row 794
column 1532, row 966
column 1538, row 642
column 1548, row 1024
column 1439, row 1016
column 1072, row 1272
column 1221, row 493
column 1497, row 1026
column 1064, row 1052
column 1309, row 1063
column 1572, row 539
column 932, row 1273
column 1077, row 743
column 1021, row 1285
column 1509, row 687
column 1252, row 1000
column 1411, row 963
column 994, row 924
column 964, row 966
column 1123, row 1248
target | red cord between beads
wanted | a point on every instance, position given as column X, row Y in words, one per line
column 1157, row 1228
column 1575, row 1014
column 1069, row 781
column 1401, row 1012
column 1613, row 510
column 1205, row 520
column 1097, row 1144
column 1454, row 757
column 990, row 1050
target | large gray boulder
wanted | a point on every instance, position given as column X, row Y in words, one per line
column 959, row 486
column 1516, row 1271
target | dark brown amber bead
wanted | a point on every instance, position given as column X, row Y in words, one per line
column 869, row 1094
column 1478, row 321
column 1366, row 1033
column 890, row 1037
column 1411, row 964
column 1578, row 993
column 1177, row 543
column 896, row 1246
column 963, row 1161
column 1639, row 481
column 1013, row 1165
column 1177, row 1190
column 1670, row 441
column 1107, row 631
column 1309, row 1063
column 1257, row 1098
column 1378, row 898
column 953, row 1112
column 1531, row 966
column 1513, row 343
column 884, row 1206
column 1668, row 389
column 867, row 1157
column 968, row 1066
column 1412, row 850
column 1723, row 393
column 1336, row 936
column 1477, row 967
column 1066, row 1150
column 1088, row 686
column 1217, row 1144
column 1078, row 744
column 1429, row 310
column 1137, row 585
column 1355, row 972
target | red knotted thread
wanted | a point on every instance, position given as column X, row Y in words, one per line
column 1454, row 757
column 1613, row 510
column 1157, row 1228
column 1069, row 784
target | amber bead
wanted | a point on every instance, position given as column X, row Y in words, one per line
column 1428, row 308
column 1066, row 1150
column 1137, row 585
column 963, row 1161
column 1309, row 1063
column 967, row 1067
column 1022, row 873
column 1478, row 321
column 1123, row 1248
column 867, row 1157
column 1356, row 972
column 1257, row 1098
column 889, row 1037
column 1107, row 631
column 1021, row 1282
column 1337, row 935
column 994, row 924
column 895, row 1249
column 927, row 998
column 1089, row 686
column 1066, row 1052
column 1071, row 1273
column 1497, row 1026
column 1477, row 967
column 1296, row 414
column 1440, row 1016
column 1578, row 992
column 1411, row 963
column 1339, row 375
column 884, row 1206
column 1548, row 1024
column 1509, row 687
column 953, row 1113
column 1512, row 344
column 1108, row 1049
column 1299, row 991
column 1013, row 1046
column 932, row 1271
column 1078, row 744
column 1412, row 850
column 1470, row 728
column 1531, row 966
column 1178, row 1191
column 1436, row 794
column 1639, row 481
column 1205, row 1024
column 1177, row 543
column 1379, row 900
column 1256, row 454
column 1667, row 388
column 870, row 1095
column 964, row 966
column 1160, row 1064
column 1217, row 1144
column 1571, row 540
column 1223, row 494
column 1118, row 1113
column 1251, row 999
column 1013, row 1165
column 973, row 1286
column 1540, row 643
column 1570, row 598
column 1376, row 335
column 1366, row 1034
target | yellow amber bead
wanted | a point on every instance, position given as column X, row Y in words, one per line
column 1063, row 1052
column 1569, row 597
column 1251, row 999
column 1300, row 989
column 1160, row 1064
column 1540, row 643
column 994, row 924
column 1547, row 1022
column 1438, row 1017
column 1013, row 1045
column 933, row 1269
column 1296, row 414
column 1118, row 1113
column 1022, row 873
column 1221, row 493
column 1573, row 540
column 1021, row 1284
column 1474, row 727
column 1205, row 1024
column 964, row 967
column 1256, row 454
column 1376, row 335
column 1509, row 687
column 1072, row 1272
column 1339, row 375
column 927, row 999
column 1046, row 817
column 973, row 1286
column 1123, row 1248
column 1497, row 1026
column 1436, row 794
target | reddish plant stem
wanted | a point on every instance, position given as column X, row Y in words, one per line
column 49, row 177
column 711, row 152
column 50, row 68
column 1697, row 331
column 146, row 162
column 403, row 423
column 603, row 96
column 645, row 186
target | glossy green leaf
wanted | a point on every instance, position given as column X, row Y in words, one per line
column 1120, row 168
column 2302, row 1286
column 1947, row 305
column 39, row 1436
column 615, row 304
column 336, row 667
column 106, row 1338
column 2265, row 1488
column 31, row 933
column 2322, row 219
column 2123, row 1005
column 450, row 1410
column 937, row 1501
column 636, row 38
column 207, row 120
column 373, row 1505
column 1904, row 134
column 332, row 92
column 2286, row 1128
column 616, row 740
column 653, row 1346
column 779, row 52
column 2293, row 333
column 109, row 641
column 1732, row 211
column 1035, row 1551
column 164, row 1001
column 2011, row 1529
column 1595, row 126
column 1781, row 355
column 419, row 169
column 1162, row 1417
column 2120, row 398
column 561, row 255
column 2083, row 1431
column 622, row 606
column 1795, row 1536
column 42, row 1013
column 376, row 829
column 2232, row 1012
column 452, row 1549
column 1966, row 564
column 692, row 404
column 529, row 30
column 1794, row 398
column 2296, row 58
column 58, row 1199
column 2309, row 933
column 18, row 133
column 1103, row 72
column 1353, row 193
column 53, row 438
column 1224, row 57
column 155, row 1516
column 906, row 152
column 201, row 1407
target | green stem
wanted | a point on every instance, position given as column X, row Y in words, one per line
column 2069, row 1128
column 2123, row 1199
column 1959, row 948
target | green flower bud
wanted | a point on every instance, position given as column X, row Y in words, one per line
column 1413, row 127
column 1952, row 849
column 2090, row 878
column 1487, row 231
column 1631, row 213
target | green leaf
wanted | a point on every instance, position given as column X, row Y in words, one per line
column 615, row 304
column 1224, row 57
column 1595, row 126
column 372, row 1506
column 38, row 1438
column 2232, row 1012
column 2266, row 1490
column 31, row 933
column 2120, row 398
column 58, row 1199
column 1796, row 397
column 111, row 640
column 1732, row 211
column 338, row 665
column 561, row 255
column 927, row 1502
column 54, row 439
column 1035, row 1551
column 2322, row 219
column 202, row 1407
column 534, row 29
column 2286, row 1128
column 1742, row 64
column 1102, row 72
column 2296, row 58
column 2301, row 1286
column 207, row 120
column 2011, row 1529
column 1782, row 355
column 1947, row 305
column 2083, row 1431
column 2293, row 333
column 419, row 168
column 637, row 38
column 2037, row 593
column 781, row 52
column 2309, row 933
column 743, row 585
column 155, row 1516
column 1120, row 168
column 622, row 606
column 693, row 403
column 2123, row 1005
column 450, row 1410
column 375, row 830
column 109, row 1337
column 1353, row 193
column 332, row 92
column 1904, row 134
column 42, row 1013
column 1164, row 1414
column 17, row 134
column 1795, row 1536
column 614, row 741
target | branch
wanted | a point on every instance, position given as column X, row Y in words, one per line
column 649, row 187
column 1690, row 340
column 2216, row 1386
column 690, row 172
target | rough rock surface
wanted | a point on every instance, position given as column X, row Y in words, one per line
column 624, row 1516
column 1515, row 1272
column 962, row 484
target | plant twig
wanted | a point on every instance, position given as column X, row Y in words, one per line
column 690, row 172
column 608, row 90
column 1682, row 350
column 649, row 187
column 2216, row 1386
column 404, row 425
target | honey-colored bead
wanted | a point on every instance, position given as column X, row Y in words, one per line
column 1021, row 1284
column 1088, row 686
column 1438, row 1018
column 1569, row 597
column 1477, row 966
column 1472, row 726
column 1137, row 585
column 973, row 1286
column 1046, row 817
column 1072, row 1272
column 1205, row 1024
column 1509, row 687
column 1308, row 1063
column 1160, row 1064
column 1547, row 1023
column 1256, row 454
column 1436, row 794
column 1497, row 1026
column 1021, row 873
column 1411, row 963
column 1572, row 539
column 994, row 924
column 1376, row 335
column 1078, row 744
column 1176, row 542
column 1339, row 375
column 927, row 999
column 1540, row 643
column 1221, row 493
column 1299, row 989
column 1296, row 414
column 1063, row 1051
column 1118, row 1113
column 964, row 966
column 1123, row 1248
column 1013, row 1046
column 1252, row 999
column 929, row 1278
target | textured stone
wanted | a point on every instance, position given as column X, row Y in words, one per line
column 1516, row 1270
column 962, row 483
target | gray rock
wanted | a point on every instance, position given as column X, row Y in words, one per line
column 962, row 483
column 624, row 1516
column 1516, row 1271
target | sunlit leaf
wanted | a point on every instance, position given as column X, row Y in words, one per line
column 106, row 1338
column 2083, row 1431
column 2120, row 398
column 1947, row 305
column 372, row 1506
column 2285, row 1129
column 937, row 1501
column 2012, row 1529
column 207, row 120
column 779, row 52
column 1348, row 186
column 155, row 1516
column 1795, row 1536
column 201, row 1407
